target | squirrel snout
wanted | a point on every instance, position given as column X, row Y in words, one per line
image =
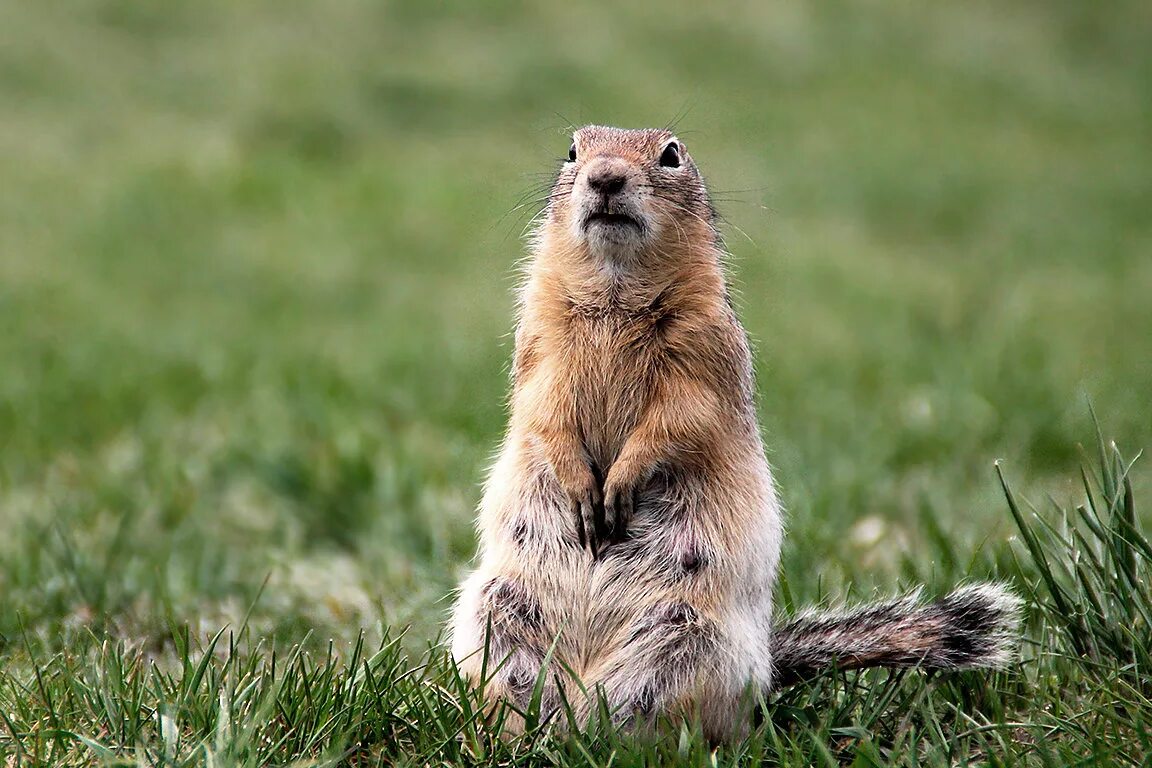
column 610, row 212
column 607, row 176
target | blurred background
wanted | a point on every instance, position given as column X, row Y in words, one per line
column 257, row 263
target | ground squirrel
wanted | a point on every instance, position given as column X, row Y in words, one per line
column 630, row 529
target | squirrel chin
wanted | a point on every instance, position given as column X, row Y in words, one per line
column 613, row 242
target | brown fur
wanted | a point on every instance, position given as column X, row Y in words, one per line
column 631, row 500
column 630, row 528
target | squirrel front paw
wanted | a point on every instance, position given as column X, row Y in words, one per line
column 586, row 505
column 620, row 491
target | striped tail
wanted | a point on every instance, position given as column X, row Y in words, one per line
column 975, row 626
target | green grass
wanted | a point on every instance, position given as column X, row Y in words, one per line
column 1080, row 692
column 255, row 273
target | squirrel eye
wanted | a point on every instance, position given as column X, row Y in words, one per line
column 572, row 153
column 670, row 157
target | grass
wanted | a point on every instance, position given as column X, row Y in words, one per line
column 1080, row 693
column 255, row 271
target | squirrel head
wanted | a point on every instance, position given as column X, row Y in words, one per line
column 626, row 195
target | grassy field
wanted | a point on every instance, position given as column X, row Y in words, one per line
column 256, row 263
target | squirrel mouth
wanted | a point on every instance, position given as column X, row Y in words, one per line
column 612, row 219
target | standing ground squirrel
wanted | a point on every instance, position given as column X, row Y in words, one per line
column 630, row 529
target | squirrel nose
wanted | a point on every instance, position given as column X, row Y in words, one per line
column 607, row 178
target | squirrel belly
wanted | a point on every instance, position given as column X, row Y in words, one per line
column 630, row 529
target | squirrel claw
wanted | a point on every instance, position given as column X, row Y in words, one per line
column 587, row 511
column 619, row 509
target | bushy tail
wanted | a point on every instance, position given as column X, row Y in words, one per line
column 975, row 626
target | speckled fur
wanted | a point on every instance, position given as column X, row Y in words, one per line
column 973, row 627
column 630, row 529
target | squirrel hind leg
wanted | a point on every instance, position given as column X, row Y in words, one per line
column 505, row 623
column 975, row 626
column 668, row 666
